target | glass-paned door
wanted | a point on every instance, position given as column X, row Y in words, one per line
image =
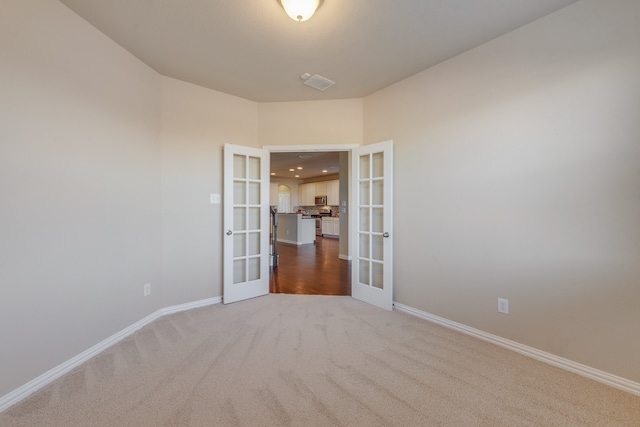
column 372, row 234
column 246, row 223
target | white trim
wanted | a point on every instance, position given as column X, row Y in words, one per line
column 304, row 148
column 34, row 385
column 345, row 257
column 292, row 242
column 551, row 359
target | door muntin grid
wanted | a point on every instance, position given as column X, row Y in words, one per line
column 246, row 218
column 371, row 220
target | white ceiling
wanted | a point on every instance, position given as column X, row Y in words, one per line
column 252, row 49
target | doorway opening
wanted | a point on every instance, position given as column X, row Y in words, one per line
column 319, row 263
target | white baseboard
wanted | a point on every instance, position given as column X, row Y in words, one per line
column 551, row 359
column 34, row 385
column 289, row 242
column 345, row 257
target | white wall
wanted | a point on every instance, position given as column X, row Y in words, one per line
column 345, row 185
column 79, row 188
column 527, row 159
column 196, row 123
column 310, row 122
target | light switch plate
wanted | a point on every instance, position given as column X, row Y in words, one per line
column 215, row 199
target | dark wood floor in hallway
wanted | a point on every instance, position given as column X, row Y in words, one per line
column 311, row 269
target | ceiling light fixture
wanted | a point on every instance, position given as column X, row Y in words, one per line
column 300, row 10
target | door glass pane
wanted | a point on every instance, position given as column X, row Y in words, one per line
column 364, row 166
column 239, row 245
column 364, row 272
column 254, row 193
column 377, row 279
column 364, row 219
column 377, row 192
column 254, row 243
column 254, row 218
column 254, row 268
column 239, row 193
column 364, row 193
column 254, row 167
column 377, row 223
column 239, row 166
column 377, row 249
column 239, row 270
column 377, row 165
column 364, row 246
column 239, row 219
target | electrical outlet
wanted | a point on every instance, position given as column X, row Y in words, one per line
column 147, row 289
column 503, row 305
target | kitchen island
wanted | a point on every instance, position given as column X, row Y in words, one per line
column 295, row 229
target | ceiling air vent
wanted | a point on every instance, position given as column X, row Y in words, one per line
column 318, row 82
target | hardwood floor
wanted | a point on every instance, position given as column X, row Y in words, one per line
column 311, row 269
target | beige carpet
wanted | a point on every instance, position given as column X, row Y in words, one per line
column 316, row 361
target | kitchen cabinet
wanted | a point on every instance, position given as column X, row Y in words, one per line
column 333, row 192
column 307, row 194
column 321, row 188
column 331, row 226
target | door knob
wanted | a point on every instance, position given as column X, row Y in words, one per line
column 229, row 232
column 385, row 234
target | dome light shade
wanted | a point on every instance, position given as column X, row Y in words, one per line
column 300, row 10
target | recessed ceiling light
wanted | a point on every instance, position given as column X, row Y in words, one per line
column 299, row 167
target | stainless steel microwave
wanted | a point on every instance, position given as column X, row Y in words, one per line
column 321, row 200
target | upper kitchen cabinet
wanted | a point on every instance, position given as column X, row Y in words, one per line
column 333, row 192
column 321, row 188
column 307, row 194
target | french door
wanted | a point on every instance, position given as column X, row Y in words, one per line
column 246, row 223
column 371, row 224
